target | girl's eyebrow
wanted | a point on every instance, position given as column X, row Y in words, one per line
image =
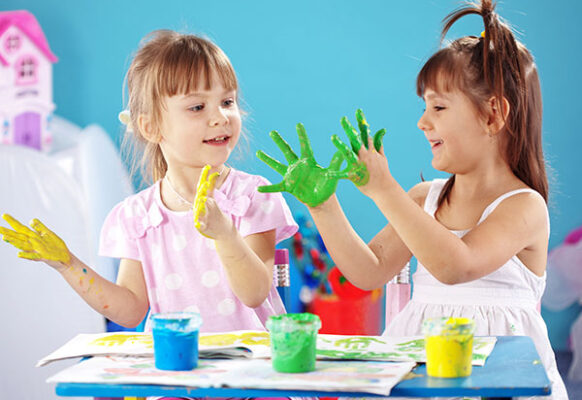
column 206, row 93
column 435, row 95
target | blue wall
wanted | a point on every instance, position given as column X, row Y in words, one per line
column 315, row 61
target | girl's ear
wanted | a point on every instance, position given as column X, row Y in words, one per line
column 498, row 112
column 146, row 127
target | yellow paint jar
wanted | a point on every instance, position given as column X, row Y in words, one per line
column 449, row 346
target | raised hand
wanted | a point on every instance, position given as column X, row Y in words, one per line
column 38, row 243
column 303, row 178
column 356, row 169
column 205, row 186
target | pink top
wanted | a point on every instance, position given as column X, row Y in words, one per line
column 181, row 267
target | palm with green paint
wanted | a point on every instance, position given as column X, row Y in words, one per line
column 358, row 173
column 305, row 179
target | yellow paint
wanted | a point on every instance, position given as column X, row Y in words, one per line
column 229, row 339
column 119, row 340
column 449, row 347
column 38, row 243
column 205, row 186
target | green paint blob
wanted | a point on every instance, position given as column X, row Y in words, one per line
column 293, row 341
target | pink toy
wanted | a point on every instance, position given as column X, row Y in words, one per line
column 564, row 288
column 26, row 103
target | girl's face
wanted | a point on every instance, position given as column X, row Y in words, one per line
column 201, row 127
column 456, row 132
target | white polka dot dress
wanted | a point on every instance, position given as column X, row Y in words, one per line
column 181, row 267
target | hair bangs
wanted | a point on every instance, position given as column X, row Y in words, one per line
column 190, row 67
column 444, row 72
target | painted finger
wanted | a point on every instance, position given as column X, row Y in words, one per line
column 212, row 182
column 347, row 153
column 203, row 178
column 271, row 162
column 19, row 244
column 278, row 187
column 363, row 126
column 352, row 135
column 378, row 137
column 41, row 228
column 16, row 225
column 336, row 161
column 30, row 256
column 288, row 152
column 306, row 149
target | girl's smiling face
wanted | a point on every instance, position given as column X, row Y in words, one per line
column 456, row 131
column 201, row 127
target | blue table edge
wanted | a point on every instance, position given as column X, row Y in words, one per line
column 418, row 386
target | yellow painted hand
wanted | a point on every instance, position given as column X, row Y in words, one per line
column 205, row 186
column 39, row 244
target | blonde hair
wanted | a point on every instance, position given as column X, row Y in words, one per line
column 167, row 63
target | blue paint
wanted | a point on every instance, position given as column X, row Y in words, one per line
column 176, row 340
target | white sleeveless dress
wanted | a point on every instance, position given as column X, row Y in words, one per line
column 501, row 303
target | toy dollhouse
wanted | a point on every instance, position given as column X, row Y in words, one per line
column 26, row 103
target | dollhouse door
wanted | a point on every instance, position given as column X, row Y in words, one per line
column 27, row 130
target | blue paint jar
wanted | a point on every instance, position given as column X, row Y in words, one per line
column 176, row 340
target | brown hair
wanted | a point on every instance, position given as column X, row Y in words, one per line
column 500, row 66
column 167, row 63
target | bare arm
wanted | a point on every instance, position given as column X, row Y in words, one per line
column 125, row 303
column 368, row 266
column 248, row 264
column 517, row 224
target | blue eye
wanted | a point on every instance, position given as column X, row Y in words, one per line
column 228, row 102
column 198, row 107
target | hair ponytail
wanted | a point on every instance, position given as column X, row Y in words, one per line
column 495, row 64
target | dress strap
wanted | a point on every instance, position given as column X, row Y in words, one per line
column 432, row 198
column 491, row 207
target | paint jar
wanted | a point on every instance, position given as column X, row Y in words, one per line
column 176, row 340
column 449, row 346
column 293, row 341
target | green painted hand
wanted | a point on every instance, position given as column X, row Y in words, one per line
column 357, row 170
column 303, row 178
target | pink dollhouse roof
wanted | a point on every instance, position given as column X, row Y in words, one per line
column 28, row 24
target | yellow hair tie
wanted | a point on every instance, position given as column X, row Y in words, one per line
column 483, row 34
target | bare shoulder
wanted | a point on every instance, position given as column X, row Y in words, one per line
column 528, row 209
column 419, row 192
column 527, row 203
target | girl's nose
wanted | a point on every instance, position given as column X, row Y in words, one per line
column 218, row 117
column 423, row 123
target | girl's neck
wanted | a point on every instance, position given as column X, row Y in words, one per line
column 478, row 184
column 179, row 187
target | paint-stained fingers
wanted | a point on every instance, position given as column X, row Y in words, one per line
column 211, row 182
column 10, row 233
column 17, row 226
column 352, row 134
column 41, row 228
column 203, row 178
column 288, row 152
column 278, row 187
column 363, row 126
column 23, row 245
column 271, row 162
column 30, row 256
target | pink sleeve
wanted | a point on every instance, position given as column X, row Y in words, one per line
column 267, row 211
column 115, row 241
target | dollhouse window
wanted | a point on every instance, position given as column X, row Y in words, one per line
column 26, row 70
column 12, row 43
